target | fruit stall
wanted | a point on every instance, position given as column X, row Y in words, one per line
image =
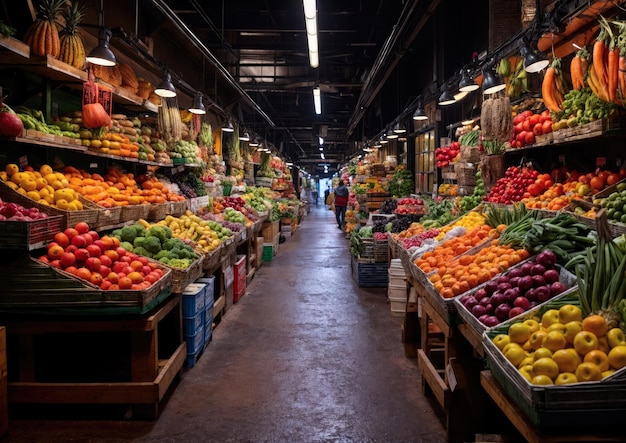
column 129, row 227
column 519, row 276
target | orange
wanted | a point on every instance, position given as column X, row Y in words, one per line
column 596, row 324
column 83, row 273
column 125, row 283
column 135, row 277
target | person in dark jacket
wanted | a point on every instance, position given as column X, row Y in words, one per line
column 341, row 202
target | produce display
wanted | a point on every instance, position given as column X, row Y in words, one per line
column 447, row 154
column 516, row 291
column 417, row 240
column 101, row 261
column 207, row 235
column 10, row 123
column 512, row 187
column 615, row 204
column 44, row 186
column 16, row 212
column 156, row 242
column 410, row 206
column 401, row 183
column 528, row 125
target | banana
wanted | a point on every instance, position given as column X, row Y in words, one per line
column 504, row 67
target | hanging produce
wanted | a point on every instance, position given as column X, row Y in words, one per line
column 496, row 119
column 72, row 50
column 168, row 121
column 10, row 124
column 578, row 68
column 553, row 88
column 43, row 36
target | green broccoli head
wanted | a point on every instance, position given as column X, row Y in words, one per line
column 158, row 232
column 164, row 260
column 168, row 231
column 117, row 233
column 170, row 243
column 138, row 241
column 184, row 253
column 142, row 251
column 162, row 253
column 152, row 244
column 141, row 231
column 127, row 245
column 128, row 234
column 174, row 253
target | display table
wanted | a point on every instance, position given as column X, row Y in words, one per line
column 527, row 429
column 93, row 359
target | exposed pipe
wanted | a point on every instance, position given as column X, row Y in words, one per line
column 193, row 38
column 374, row 81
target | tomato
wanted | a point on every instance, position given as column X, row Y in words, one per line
column 546, row 126
column 518, row 127
column 538, row 129
column 612, row 179
column 597, row 183
column 530, row 138
column 521, row 137
column 527, row 126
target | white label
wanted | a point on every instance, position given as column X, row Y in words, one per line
column 244, row 234
column 451, row 377
column 93, row 165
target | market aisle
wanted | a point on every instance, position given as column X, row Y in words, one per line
column 305, row 356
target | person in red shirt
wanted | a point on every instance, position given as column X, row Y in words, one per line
column 341, row 202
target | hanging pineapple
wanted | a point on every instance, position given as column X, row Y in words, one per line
column 72, row 48
column 43, row 36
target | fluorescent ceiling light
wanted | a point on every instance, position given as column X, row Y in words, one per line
column 310, row 8
column 321, row 140
column 317, row 100
column 392, row 135
column 323, row 156
column 460, row 95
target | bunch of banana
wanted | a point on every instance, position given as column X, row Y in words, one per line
column 518, row 82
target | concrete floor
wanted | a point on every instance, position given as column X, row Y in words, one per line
column 305, row 356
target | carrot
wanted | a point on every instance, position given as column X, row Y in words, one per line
column 612, row 72
column 599, row 53
column 576, row 73
column 622, row 76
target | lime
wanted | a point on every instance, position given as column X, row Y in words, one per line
column 623, row 218
column 621, row 186
column 623, row 194
column 613, row 196
column 624, row 208
column 610, row 213
column 617, row 215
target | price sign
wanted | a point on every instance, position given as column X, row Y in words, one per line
column 93, row 165
column 23, row 161
column 600, row 161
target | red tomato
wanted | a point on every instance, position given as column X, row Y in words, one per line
column 546, row 126
column 530, row 138
column 534, row 119
column 538, row 129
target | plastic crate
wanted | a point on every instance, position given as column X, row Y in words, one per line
column 195, row 343
column 209, row 291
column 193, row 299
column 268, row 251
column 28, row 235
column 370, row 275
column 192, row 324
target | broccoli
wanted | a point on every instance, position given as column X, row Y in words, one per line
column 174, row 253
column 168, row 231
column 164, row 260
column 141, row 231
column 179, row 263
column 152, row 244
column 128, row 234
column 142, row 251
column 127, row 245
column 162, row 253
column 158, row 232
column 170, row 243
column 184, row 253
column 138, row 241
column 117, row 233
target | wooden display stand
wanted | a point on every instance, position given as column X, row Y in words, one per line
column 137, row 358
column 527, row 429
column 448, row 372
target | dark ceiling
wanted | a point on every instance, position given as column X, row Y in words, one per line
column 263, row 46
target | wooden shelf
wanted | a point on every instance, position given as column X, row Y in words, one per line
column 13, row 50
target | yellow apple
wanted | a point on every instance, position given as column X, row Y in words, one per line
column 605, row 374
column 527, row 361
column 515, row 354
column 501, row 340
column 519, row 333
column 617, row 357
column 616, row 337
column 588, row 372
column 541, row 380
column 554, row 340
column 603, row 344
column 532, row 324
column 584, row 342
column 536, row 338
column 571, row 329
column 598, row 358
column 567, row 359
column 558, row 326
column 549, row 317
column 527, row 372
column 565, row 378
column 546, row 366
column 541, row 353
column 568, row 313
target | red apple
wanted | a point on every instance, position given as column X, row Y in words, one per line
column 94, row 251
column 145, row 270
column 56, row 264
column 67, row 259
column 93, row 264
column 71, row 232
column 79, row 241
column 121, row 251
column 82, row 254
column 126, row 259
column 71, row 248
column 51, row 244
column 119, row 266
column 99, row 243
column 94, row 235
column 104, row 270
column 106, row 260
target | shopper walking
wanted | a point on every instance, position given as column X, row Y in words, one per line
column 341, row 202
column 314, row 195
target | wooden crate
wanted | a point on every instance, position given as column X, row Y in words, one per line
column 270, row 230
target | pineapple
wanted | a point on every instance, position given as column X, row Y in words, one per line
column 72, row 48
column 43, row 35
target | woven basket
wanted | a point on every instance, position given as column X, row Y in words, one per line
column 465, row 174
column 134, row 212
column 470, row 154
column 108, row 216
column 70, row 218
column 157, row 212
column 178, row 208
